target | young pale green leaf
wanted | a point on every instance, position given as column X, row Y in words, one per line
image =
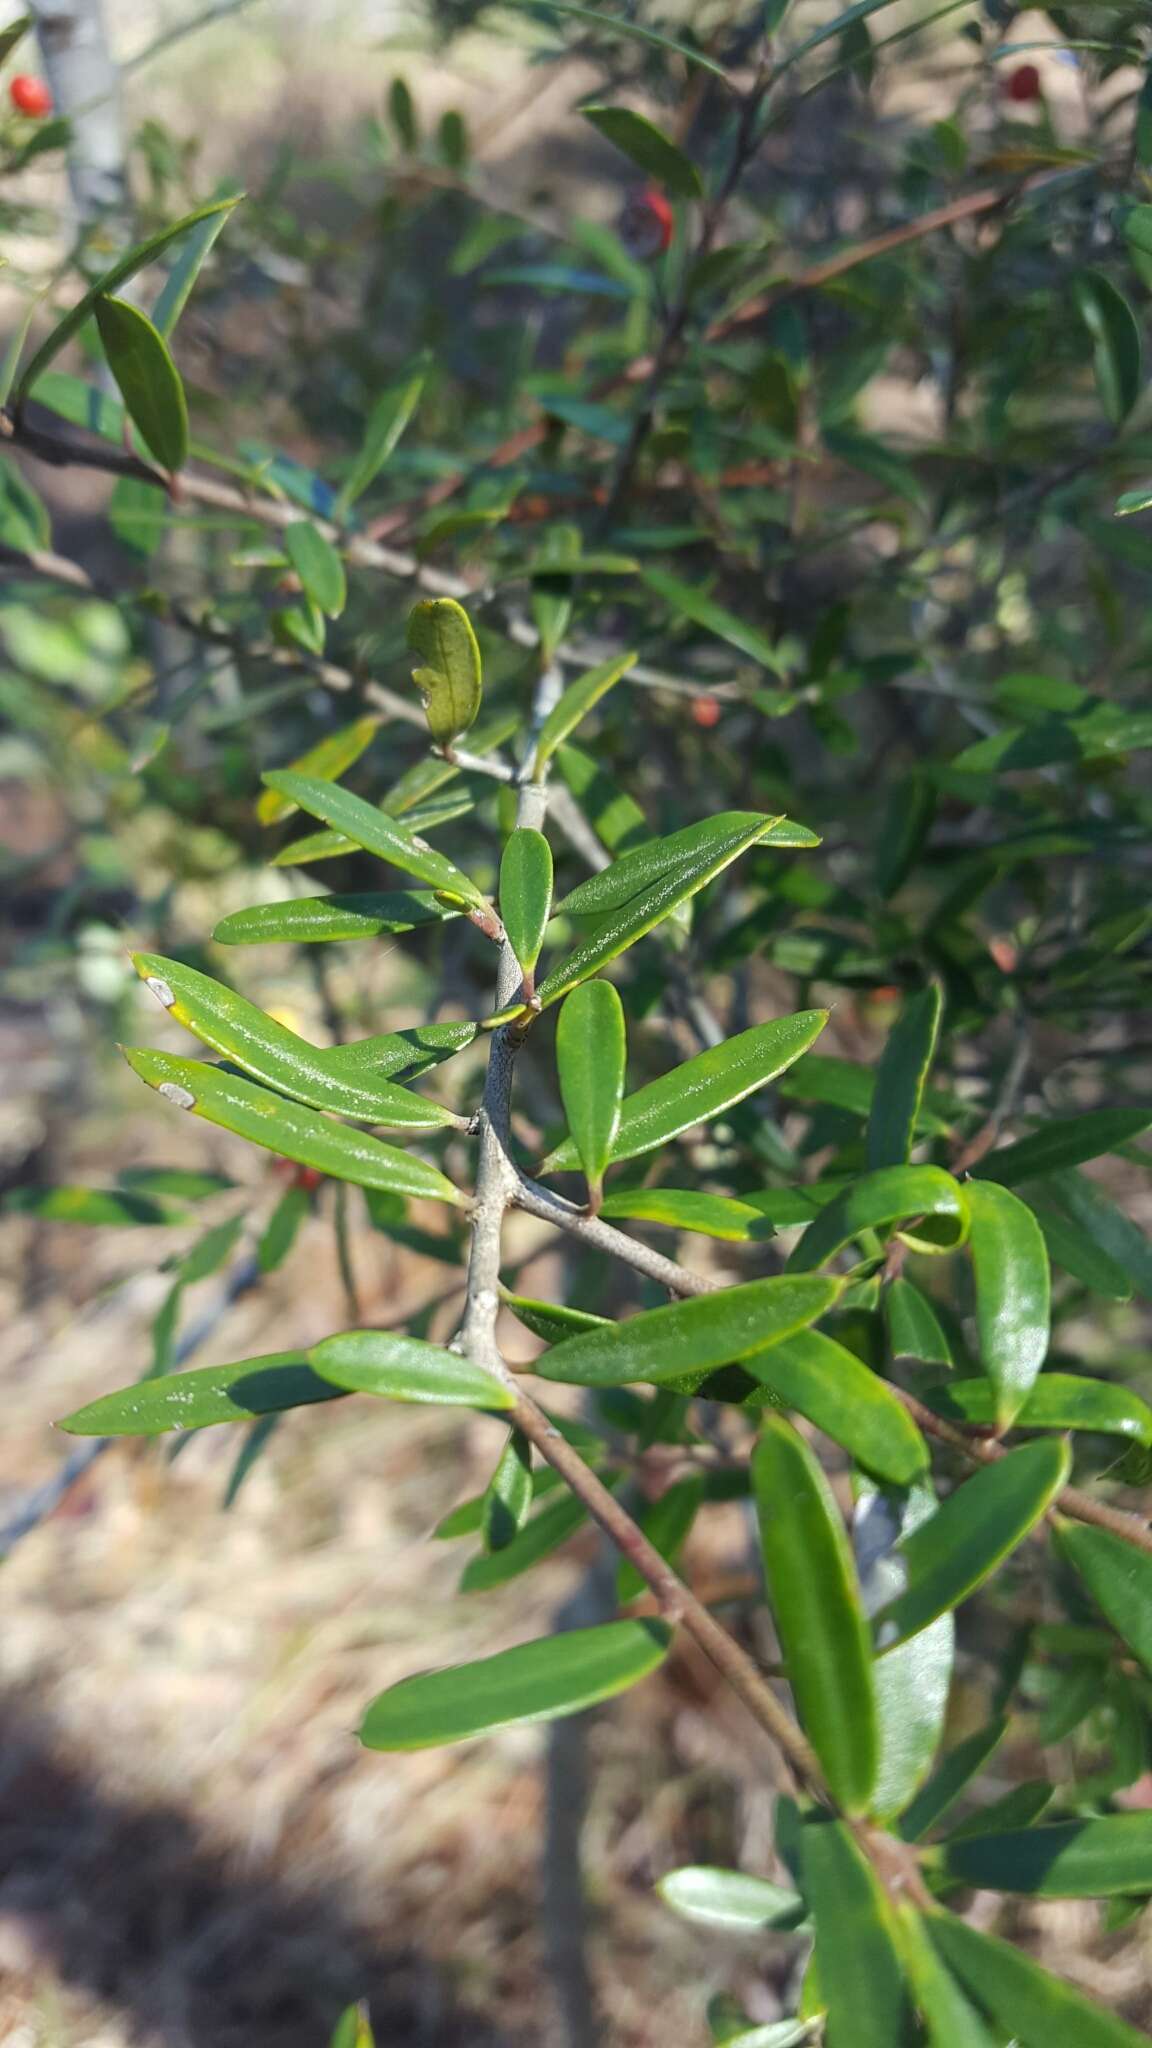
column 703, row 1087
column 830, row 1387
column 284, row 1127
column 575, row 704
column 1013, row 1287
column 951, row 1554
column 319, row 566
column 666, row 1522
column 375, row 831
column 820, row 1619
column 1119, row 1579
column 914, row 1329
column 282, row 1228
column 544, row 1533
column 386, row 423
column 691, row 602
column 317, row 920
column 861, row 1980
column 1066, row 1141
column 913, row 1683
column 961, row 1765
column 147, row 379
column 1072, row 1859
column 526, row 893
column 729, row 1900
column 648, row 148
column 900, row 1078
column 687, row 1209
column 951, row 2021
column 405, row 1369
column 537, row 1681
column 449, row 681
column 328, row 759
column 193, row 1400
column 273, row 1054
column 880, row 1201
column 591, row 1052
column 1057, row 1400
column 1117, row 351
column 191, row 257
column 690, row 1336
column 507, row 1498
column 1022, row 1997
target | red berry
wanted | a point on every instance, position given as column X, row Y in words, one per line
column 30, row 95
column 307, row 1178
column 646, row 223
column 1023, row 83
column 706, row 711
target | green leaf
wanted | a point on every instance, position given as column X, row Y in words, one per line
column 690, row 1336
column 507, row 1498
column 1066, row 1141
column 693, row 603
column 193, row 1400
column 526, row 893
column 1133, row 501
column 831, row 1388
column 280, row 1232
column 317, row 920
column 273, row 1054
column 1119, row 1578
column 375, row 831
column 120, row 272
column 552, row 1320
column 176, row 289
column 666, row 1522
column 703, row 1087
column 878, row 1201
column 13, row 33
column 591, row 1051
column 1021, row 1996
column 300, row 1134
column 1057, row 1400
column 610, row 811
column 729, row 1900
column 842, row 1084
column 319, row 566
column 147, row 379
column 947, row 1782
column 914, row 1329
column 900, row 1077
column 1010, row 1265
column 820, row 1619
column 405, row 1369
column 861, row 1981
column 906, row 825
column 98, row 1206
column 686, row 1209
column 353, row 2029
column 1117, row 353
column 1072, row 1859
column 402, row 111
column 622, row 27
column 1074, row 1250
column 440, row 632
column 544, row 1533
column 386, row 423
column 575, row 704
column 1105, row 1226
column 328, row 759
column 950, row 1555
column 648, row 148
column 538, row 1681
column 951, row 2021
column 912, row 1684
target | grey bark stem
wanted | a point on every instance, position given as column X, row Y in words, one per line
column 84, row 80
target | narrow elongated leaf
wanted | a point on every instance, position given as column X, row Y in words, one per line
column 449, row 680
column 690, row 602
column 687, row 1209
column 633, row 30
column 405, row 1369
column 878, row 1201
column 1072, row 1859
column 819, row 1615
column 648, row 148
column 1057, row 1400
column 281, row 1230
column 284, row 1127
column 147, row 379
column 900, row 1078
column 1066, row 1141
column 952, row 1553
column 99, row 1206
column 526, row 893
column 560, row 1674
column 1010, row 1264
column 1021, row 1996
column 544, row 1533
column 729, row 1900
column 1119, row 1578
column 273, row 1054
column 1074, row 1250
column 914, row 1329
column 861, row 1981
column 820, row 1077
column 386, row 423
column 690, row 1336
column 1105, row 1226
column 575, row 704
column 666, row 1522
column 591, row 1051
column 319, row 566
column 703, row 1087
column 375, row 831
column 507, row 1498
column 952, row 2022
column 410, row 1052
column 947, row 1782
column 213, row 1393
column 317, row 920
column 176, row 290
column 552, row 1320
column 913, row 1683
column 1116, row 345
column 832, row 1388
column 329, row 759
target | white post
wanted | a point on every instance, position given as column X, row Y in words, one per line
column 84, row 81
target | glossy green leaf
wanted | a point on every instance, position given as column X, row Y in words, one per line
column 328, row 759
column 861, row 1980
column 319, row 566
column 667, row 1523
column 284, row 1127
column 951, row 2021
column 375, row 831
column 900, row 1078
column 552, row 1320
column 1105, row 1226
column 924, row 1197
column 1071, row 1859
column 540, row 1536
column 956, row 1770
column 1021, row 1996
column 1019, row 1808
column 405, row 1369
column 690, row 602
column 507, row 1498
column 686, row 1209
column 950, row 1555
column 176, row 290
column 690, row 1336
column 386, row 423
column 273, row 1054
column 1074, row 1250
column 1119, row 1578
column 213, row 1393
column 559, row 1674
column 729, row 1900
column 830, row 1387
column 1057, row 1400
column 591, row 1051
column 449, row 678
column 819, row 1617
column 576, row 702
column 1117, row 353
column 1066, row 1141
column 147, row 379
column 912, row 1684
column 526, row 893
column 914, row 1329
column 317, row 920
column 1010, row 1266
column 648, row 148
column 703, row 1087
